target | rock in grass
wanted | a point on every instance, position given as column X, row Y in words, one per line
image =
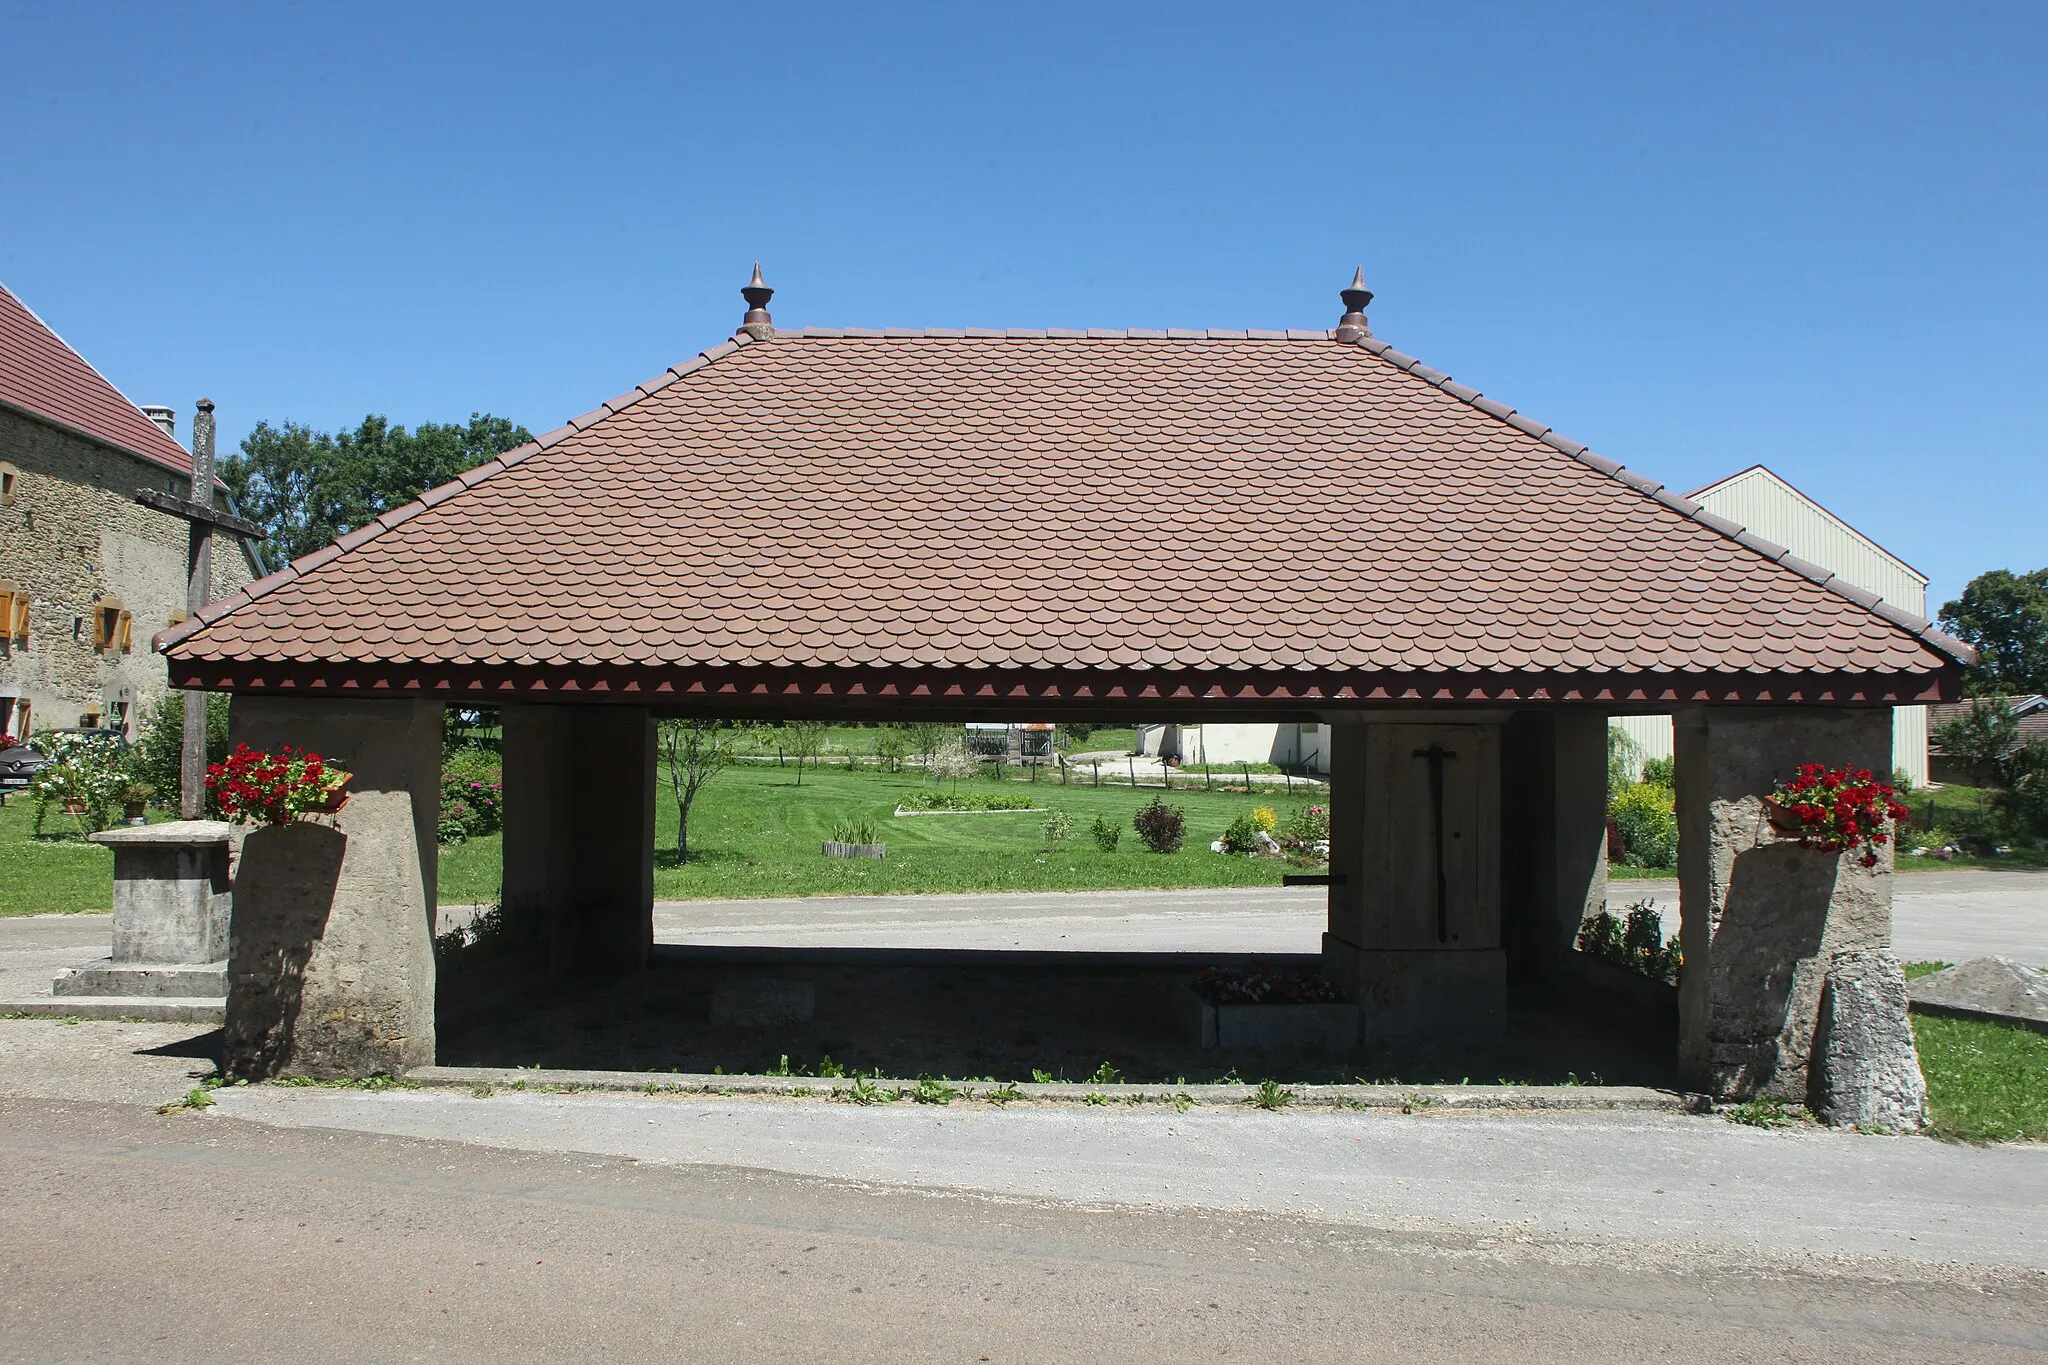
column 1866, row 1070
column 1986, row 988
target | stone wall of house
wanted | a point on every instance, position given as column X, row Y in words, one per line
column 71, row 533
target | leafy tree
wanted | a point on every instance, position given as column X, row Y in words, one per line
column 306, row 487
column 2005, row 616
column 806, row 740
column 159, row 753
column 1981, row 736
column 695, row 751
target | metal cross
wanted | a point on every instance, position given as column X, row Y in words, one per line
column 1436, row 754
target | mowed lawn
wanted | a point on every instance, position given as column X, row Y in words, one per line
column 754, row 832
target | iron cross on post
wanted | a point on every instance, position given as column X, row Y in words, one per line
column 1437, row 754
column 198, row 513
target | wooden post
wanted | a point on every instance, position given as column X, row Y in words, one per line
column 198, row 592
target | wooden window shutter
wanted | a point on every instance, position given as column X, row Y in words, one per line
column 13, row 612
column 126, row 640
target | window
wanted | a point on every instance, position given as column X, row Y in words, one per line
column 13, row 614
column 112, row 628
column 9, row 478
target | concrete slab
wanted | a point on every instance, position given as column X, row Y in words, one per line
column 1986, row 988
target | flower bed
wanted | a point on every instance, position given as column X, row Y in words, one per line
column 944, row 803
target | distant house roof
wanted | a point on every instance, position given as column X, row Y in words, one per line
column 1766, row 472
column 837, row 505
column 2031, row 709
column 42, row 376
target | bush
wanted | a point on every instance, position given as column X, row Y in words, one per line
column 88, row 768
column 472, row 794
column 1241, row 835
column 159, row 752
column 1263, row 818
column 1106, row 833
column 854, row 832
column 1660, row 772
column 1307, row 831
column 1058, row 828
column 1648, row 820
column 1163, row 828
column 1636, row 942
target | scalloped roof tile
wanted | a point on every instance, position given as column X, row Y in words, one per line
column 1059, row 499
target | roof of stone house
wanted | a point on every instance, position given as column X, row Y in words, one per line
column 42, row 376
column 1241, row 504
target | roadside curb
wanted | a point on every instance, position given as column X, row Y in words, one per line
column 1403, row 1098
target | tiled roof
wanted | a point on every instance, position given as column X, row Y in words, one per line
column 1237, row 502
column 45, row 378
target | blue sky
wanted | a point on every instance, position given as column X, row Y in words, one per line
column 1695, row 238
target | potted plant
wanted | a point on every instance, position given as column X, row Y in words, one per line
column 254, row 786
column 135, row 802
column 1833, row 809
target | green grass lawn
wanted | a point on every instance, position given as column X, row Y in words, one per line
column 754, row 832
column 62, row 874
column 1986, row 1082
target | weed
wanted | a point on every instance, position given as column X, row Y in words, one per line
column 1003, row 1094
column 1183, row 1101
column 1106, row 1075
column 1040, row 1077
column 1270, row 1097
column 482, row 1090
column 932, row 1090
column 194, row 1099
column 828, row 1067
column 1765, row 1111
column 1095, row 1097
column 1414, row 1102
column 862, row 1091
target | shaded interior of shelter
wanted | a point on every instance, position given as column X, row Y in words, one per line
column 1003, row 1015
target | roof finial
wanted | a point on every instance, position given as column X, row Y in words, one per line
column 1351, row 327
column 757, row 324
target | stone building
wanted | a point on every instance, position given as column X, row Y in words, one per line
column 87, row 574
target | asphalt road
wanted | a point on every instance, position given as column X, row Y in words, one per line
column 130, row 1236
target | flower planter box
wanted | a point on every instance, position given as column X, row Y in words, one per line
column 834, row 849
column 1332, row 1026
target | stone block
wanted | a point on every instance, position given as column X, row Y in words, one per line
column 1995, row 988
column 1332, row 1026
column 188, row 980
column 1865, row 1070
column 763, row 1003
column 171, row 893
column 1422, row 996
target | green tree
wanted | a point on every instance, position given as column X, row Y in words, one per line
column 159, row 753
column 695, row 751
column 2005, row 617
column 306, row 487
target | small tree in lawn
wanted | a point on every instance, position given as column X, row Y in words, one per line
column 695, row 752
column 927, row 738
column 806, row 740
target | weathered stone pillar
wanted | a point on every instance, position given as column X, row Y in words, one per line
column 331, row 954
column 1415, row 923
column 1764, row 919
column 579, row 831
column 171, row 904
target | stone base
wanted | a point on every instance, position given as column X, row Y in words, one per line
column 1422, row 996
column 1332, row 1026
column 188, row 979
column 154, row 1009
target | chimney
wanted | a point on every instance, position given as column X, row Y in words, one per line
column 165, row 418
column 202, row 456
column 1351, row 327
column 757, row 324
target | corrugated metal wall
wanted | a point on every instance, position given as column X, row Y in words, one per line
column 1767, row 505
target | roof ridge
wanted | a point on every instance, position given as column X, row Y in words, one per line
column 1919, row 627
column 362, row 535
column 1052, row 333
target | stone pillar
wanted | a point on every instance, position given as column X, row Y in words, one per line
column 579, row 831
column 1763, row 918
column 331, row 954
column 171, row 904
column 1553, row 833
column 1418, row 938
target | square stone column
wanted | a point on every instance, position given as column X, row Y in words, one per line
column 331, row 953
column 1416, row 935
column 579, row 831
column 171, row 904
column 1764, row 919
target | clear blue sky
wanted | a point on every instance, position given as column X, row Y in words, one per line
column 1696, row 238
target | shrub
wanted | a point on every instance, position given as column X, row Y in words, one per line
column 472, row 793
column 1636, row 942
column 1163, row 828
column 1648, row 821
column 853, row 832
column 1241, row 835
column 1307, row 831
column 159, row 752
column 1660, row 772
column 1263, row 818
column 1058, row 828
column 1106, row 833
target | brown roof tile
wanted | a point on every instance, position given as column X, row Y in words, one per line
column 45, row 378
column 1060, row 500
